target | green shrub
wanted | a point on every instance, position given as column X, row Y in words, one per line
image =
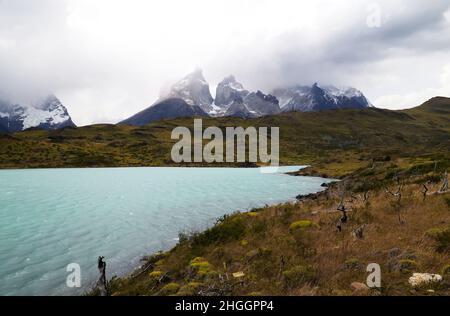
column 298, row 275
column 441, row 237
column 155, row 274
column 228, row 228
column 190, row 289
column 169, row 289
column 300, row 225
column 407, row 266
column 200, row 265
column 448, row 201
column 446, row 270
column 352, row 264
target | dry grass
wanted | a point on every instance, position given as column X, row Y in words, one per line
column 316, row 260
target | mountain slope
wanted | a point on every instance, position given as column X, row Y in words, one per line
column 193, row 89
column 167, row 109
column 316, row 98
column 233, row 100
column 351, row 135
column 46, row 113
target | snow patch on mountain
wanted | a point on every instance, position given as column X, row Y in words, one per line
column 192, row 89
column 47, row 113
column 317, row 98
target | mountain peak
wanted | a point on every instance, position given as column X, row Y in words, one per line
column 193, row 89
column 229, row 91
column 317, row 98
column 46, row 112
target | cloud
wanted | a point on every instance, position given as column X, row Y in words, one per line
column 412, row 99
column 107, row 59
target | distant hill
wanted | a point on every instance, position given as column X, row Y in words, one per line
column 356, row 135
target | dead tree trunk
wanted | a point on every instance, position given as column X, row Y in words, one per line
column 341, row 207
column 425, row 191
column 359, row 232
column 444, row 187
column 101, row 283
column 398, row 195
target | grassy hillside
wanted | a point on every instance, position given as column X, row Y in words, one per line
column 386, row 159
column 292, row 249
column 296, row 249
column 353, row 136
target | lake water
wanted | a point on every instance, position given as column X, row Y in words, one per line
column 50, row 218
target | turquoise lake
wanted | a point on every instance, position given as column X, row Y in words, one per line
column 50, row 218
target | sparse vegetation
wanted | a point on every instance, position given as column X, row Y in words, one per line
column 296, row 249
column 386, row 159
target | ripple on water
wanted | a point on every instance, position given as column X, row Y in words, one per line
column 50, row 218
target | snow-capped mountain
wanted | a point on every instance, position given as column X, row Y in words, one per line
column 233, row 100
column 193, row 89
column 191, row 97
column 228, row 91
column 316, row 98
column 45, row 113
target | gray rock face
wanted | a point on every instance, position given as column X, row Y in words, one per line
column 194, row 90
column 191, row 97
column 46, row 113
column 233, row 100
column 262, row 104
column 238, row 109
column 316, row 98
column 228, row 91
column 164, row 110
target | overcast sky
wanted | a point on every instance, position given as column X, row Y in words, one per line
column 108, row 59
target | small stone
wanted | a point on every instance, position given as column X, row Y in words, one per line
column 239, row 274
column 359, row 287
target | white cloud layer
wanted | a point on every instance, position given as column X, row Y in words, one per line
column 108, row 59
